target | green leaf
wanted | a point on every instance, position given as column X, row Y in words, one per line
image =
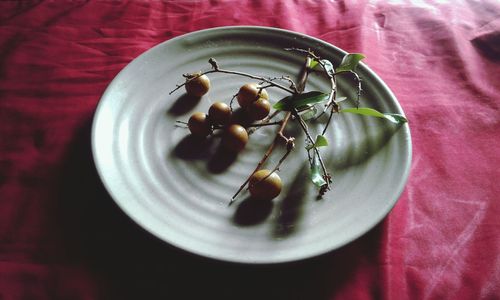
column 349, row 62
column 328, row 66
column 313, row 63
column 325, row 63
column 321, row 141
column 316, row 176
column 340, row 99
column 300, row 100
column 394, row 118
column 309, row 113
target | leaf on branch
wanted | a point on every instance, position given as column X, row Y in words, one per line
column 321, row 141
column 316, row 176
column 340, row 99
column 300, row 100
column 313, row 63
column 328, row 66
column 394, row 118
column 325, row 63
column 309, row 113
column 349, row 62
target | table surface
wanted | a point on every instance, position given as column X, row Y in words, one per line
column 62, row 237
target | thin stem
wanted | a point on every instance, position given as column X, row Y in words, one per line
column 218, row 70
column 304, row 73
column 358, row 81
column 298, row 50
column 334, row 105
column 279, row 135
column 302, row 122
column 286, row 78
column 258, row 78
column 231, row 102
column 300, row 87
column 309, row 157
column 331, row 98
column 333, row 93
column 264, row 121
column 359, row 87
column 331, row 75
column 329, row 121
column 265, row 124
column 306, row 131
column 251, row 125
column 290, row 146
column 181, row 124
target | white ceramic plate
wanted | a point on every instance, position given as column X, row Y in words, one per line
column 179, row 190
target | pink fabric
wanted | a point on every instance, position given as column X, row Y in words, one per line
column 61, row 236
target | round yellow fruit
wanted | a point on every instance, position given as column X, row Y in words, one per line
column 219, row 113
column 264, row 185
column 199, row 124
column 259, row 109
column 197, row 85
column 249, row 93
column 235, row 138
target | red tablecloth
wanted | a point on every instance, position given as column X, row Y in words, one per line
column 62, row 237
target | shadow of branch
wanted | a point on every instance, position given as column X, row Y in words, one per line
column 290, row 208
column 358, row 152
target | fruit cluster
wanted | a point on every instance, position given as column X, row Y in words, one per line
column 254, row 103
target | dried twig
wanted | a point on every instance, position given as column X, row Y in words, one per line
column 264, row 121
column 303, row 124
column 293, row 114
column 279, row 135
column 293, row 86
column 217, row 69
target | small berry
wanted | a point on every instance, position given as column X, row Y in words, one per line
column 249, row 93
column 219, row 113
column 264, row 185
column 199, row 125
column 259, row 109
column 235, row 138
column 197, row 85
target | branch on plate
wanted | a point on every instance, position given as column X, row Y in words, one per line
column 217, row 69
